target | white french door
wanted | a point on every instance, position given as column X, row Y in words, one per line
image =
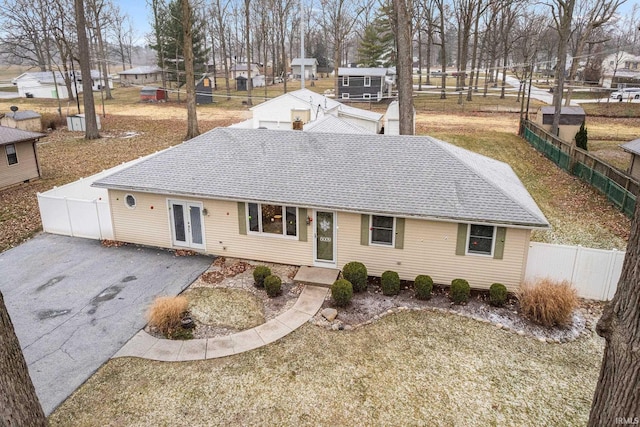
column 187, row 225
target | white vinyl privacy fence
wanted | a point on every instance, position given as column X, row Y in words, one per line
column 77, row 209
column 593, row 272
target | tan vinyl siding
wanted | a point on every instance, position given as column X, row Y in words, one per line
column 430, row 248
column 147, row 226
column 24, row 170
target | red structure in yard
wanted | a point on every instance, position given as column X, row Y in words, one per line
column 153, row 94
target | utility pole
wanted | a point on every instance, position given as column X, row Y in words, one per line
column 301, row 47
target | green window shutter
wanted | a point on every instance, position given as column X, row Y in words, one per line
column 364, row 230
column 302, row 224
column 461, row 242
column 399, row 233
column 242, row 217
column 498, row 251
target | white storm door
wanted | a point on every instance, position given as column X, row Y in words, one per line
column 187, row 226
column 325, row 239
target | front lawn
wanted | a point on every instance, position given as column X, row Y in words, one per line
column 411, row 368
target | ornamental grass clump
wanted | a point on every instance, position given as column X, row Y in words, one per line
column 259, row 274
column 390, row 283
column 460, row 291
column 356, row 273
column 273, row 285
column 166, row 314
column 423, row 285
column 341, row 292
column 498, row 294
column 548, row 302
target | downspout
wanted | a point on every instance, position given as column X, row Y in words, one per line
column 35, row 155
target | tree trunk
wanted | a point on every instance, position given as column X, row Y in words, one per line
column 474, row 55
column 443, row 51
column 247, row 17
column 103, row 56
column 564, row 33
column 617, row 397
column 91, row 131
column 402, row 11
column 192, row 118
column 19, row 405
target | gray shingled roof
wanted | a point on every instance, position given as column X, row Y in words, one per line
column 23, row 115
column 145, row 69
column 563, row 110
column 395, row 175
column 11, row 135
column 361, row 71
column 307, row 61
column 632, row 146
column 333, row 124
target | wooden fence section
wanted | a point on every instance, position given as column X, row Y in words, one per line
column 620, row 188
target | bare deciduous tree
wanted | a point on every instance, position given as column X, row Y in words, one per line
column 91, row 129
column 187, row 28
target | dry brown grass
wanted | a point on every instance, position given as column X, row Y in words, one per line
column 166, row 312
column 548, row 302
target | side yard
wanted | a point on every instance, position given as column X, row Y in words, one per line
column 440, row 370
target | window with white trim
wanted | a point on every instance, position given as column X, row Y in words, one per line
column 12, row 155
column 345, row 80
column 366, row 96
column 367, row 81
column 345, row 96
column 481, row 239
column 382, row 230
column 272, row 219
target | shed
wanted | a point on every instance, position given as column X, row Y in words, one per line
column 633, row 147
column 310, row 68
column 241, row 83
column 18, row 157
column 153, row 94
column 25, row 120
column 570, row 120
column 204, row 90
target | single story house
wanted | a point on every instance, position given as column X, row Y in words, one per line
column 571, row 118
column 44, row 84
column 363, row 84
column 416, row 205
column 141, row 75
column 310, row 68
column 27, row 120
column 306, row 105
column 19, row 159
column 633, row 148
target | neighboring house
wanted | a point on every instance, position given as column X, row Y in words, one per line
column 238, row 70
column 18, row 157
column 141, row 75
column 415, row 205
column 43, row 84
column 310, row 68
column 363, row 84
column 24, row 120
column 620, row 68
column 392, row 119
column 308, row 106
column 633, row 147
column 571, row 118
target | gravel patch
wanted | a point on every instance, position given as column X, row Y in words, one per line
column 413, row 368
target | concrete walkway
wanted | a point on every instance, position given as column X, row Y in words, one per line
column 145, row 346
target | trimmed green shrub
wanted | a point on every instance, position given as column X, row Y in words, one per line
column 273, row 285
column 390, row 283
column 356, row 273
column 342, row 292
column 498, row 294
column 423, row 285
column 460, row 290
column 260, row 273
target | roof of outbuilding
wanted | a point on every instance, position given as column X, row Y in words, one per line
column 573, row 110
column 307, row 61
column 145, row 69
column 11, row 135
column 632, row 146
column 395, row 175
column 333, row 124
column 23, row 115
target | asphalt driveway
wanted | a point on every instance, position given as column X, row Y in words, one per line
column 75, row 303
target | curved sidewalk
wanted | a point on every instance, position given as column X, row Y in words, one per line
column 147, row 347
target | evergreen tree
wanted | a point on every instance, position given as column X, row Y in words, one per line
column 581, row 137
column 172, row 38
column 377, row 47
